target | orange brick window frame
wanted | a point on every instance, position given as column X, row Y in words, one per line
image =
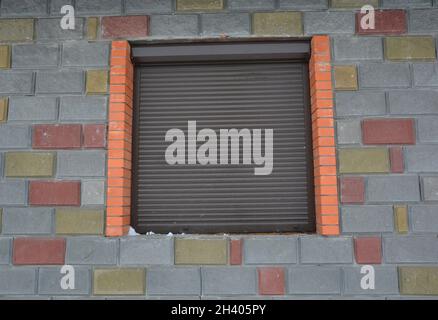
column 118, row 206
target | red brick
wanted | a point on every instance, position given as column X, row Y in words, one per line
column 94, row 136
column 388, row 131
column 352, row 190
column 31, row 251
column 125, row 27
column 56, row 136
column 368, row 250
column 271, row 281
column 236, row 252
column 388, row 22
column 55, row 193
column 396, row 159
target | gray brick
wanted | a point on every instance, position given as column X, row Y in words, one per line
column 93, row 192
column 367, row 219
column 348, row 131
column 83, row 108
column 49, row 281
column 424, row 218
column 425, row 20
column 17, row 281
column 13, row 192
column 85, row 54
column 32, row 109
column 50, row 29
column 407, row 3
column 413, row 102
column 30, row 8
column 5, row 250
column 27, row 220
column 384, row 75
column 430, row 188
column 251, row 4
column 268, row 250
column 64, row 81
column 315, row 249
column 232, row 24
column 81, row 163
column 12, row 82
column 173, row 281
column 393, row 188
column 14, row 137
column 314, row 280
column 56, row 5
column 303, row 4
column 148, row 7
column 174, row 25
column 427, row 129
column 367, row 103
column 358, row 48
column 410, row 249
column 329, row 22
column 425, row 74
column 91, row 250
column 86, row 7
column 34, row 56
column 386, row 281
column 146, row 250
column 422, row 158
column 228, row 280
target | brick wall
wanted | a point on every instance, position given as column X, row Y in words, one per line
column 56, row 119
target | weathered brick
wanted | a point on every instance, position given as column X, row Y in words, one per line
column 32, row 109
column 240, row 5
column 173, row 281
column 271, row 280
column 91, row 250
column 418, row 159
column 92, row 28
column 314, row 280
column 427, row 129
column 33, row 56
column 31, row 8
column 277, row 23
column 83, row 108
column 16, row 82
column 81, row 163
column 17, row 281
column 351, row 4
column 93, row 192
column 27, row 221
column 94, row 136
column 13, row 192
column 393, row 188
column 345, row 77
column 326, row 250
column 49, row 282
column 388, row 22
column 328, row 22
column 5, row 250
column 5, row 57
column 368, row 250
column 147, row 250
column 29, row 164
column 56, row 193
column 352, row 190
column 363, row 160
column 28, row 251
column 236, row 251
column 407, row 3
column 4, row 108
column 50, row 30
column 388, row 131
column 424, row 218
column 378, row 75
column 56, row 5
column 151, row 6
column 430, row 188
column 410, row 48
column 90, row 54
column 413, row 102
column 56, row 136
column 1, row 219
column 386, row 281
column 418, row 280
column 85, row 7
column 201, row 251
column 97, row 82
column 121, row 281
column 348, row 131
column 360, row 103
column 125, row 27
column 365, row 219
column 401, row 220
column 411, row 249
column 302, row 4
column 16, row 30
column 64, row 81
column 79, row 221
column 423, row 20
column 270, row 250
column 228, row 280
column 174, row 25
column 396, row 159
column 232, row 24
column 199, row 5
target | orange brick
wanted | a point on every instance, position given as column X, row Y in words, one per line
column 117, row 231
column 118, row 211
column 328, row 230
column 326, row 180
column 118, row 221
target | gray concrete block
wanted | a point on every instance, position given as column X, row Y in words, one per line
column 174, row 25
column 173, row 281
column 241, row 5
column 64, row 81
column 27, row 221
column 410, row 249
column 83, row 108
column 14, row 137
column 384, row 75
column 314, row 280
column 21, row 8
column 146, row 250
column 148, row 7
column 13, row 192
column 93, row 192
column 425, row 74
column 393, row 188
column 358, row 48
column 424, row 218
column 34, row 56
column 367, row 219
column 349, row 131
column 422, row 158
column 366, row 103
column 16, row 82
column 233, row 24
column 303, row 4
column 56, row 5
column 406, row 3
column 5, row 250
column 86, row 7
column 229, row 280
column 17, row 281
column 49, row 281
column 329, row 22
column 423, row 21
column 50, row 30
column 270, row 250
column 81, row 163
column 427, row 129
column 413, row 102
column 386, row 281
column 85, row 54
column 91, row 250
column 32, row 109
column 315, row 249
column 430, row 188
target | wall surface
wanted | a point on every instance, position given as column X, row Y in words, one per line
column 54, row 89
